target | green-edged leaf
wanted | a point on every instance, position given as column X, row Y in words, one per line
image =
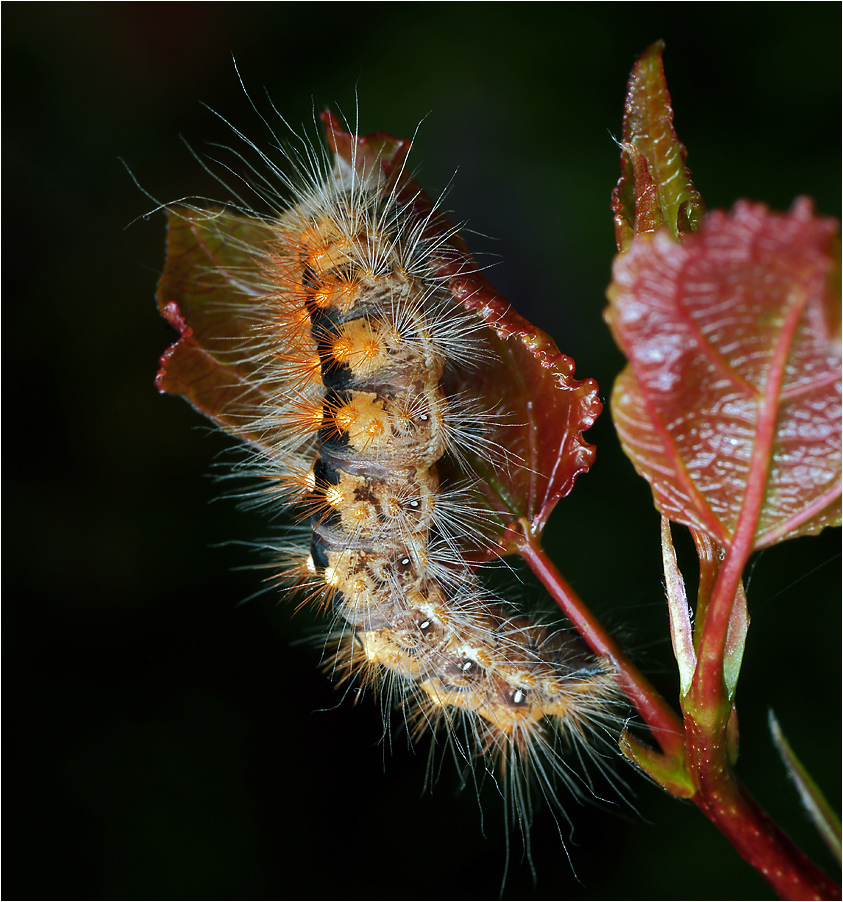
column 735, row 642
column 655, row 188
column 667, row 771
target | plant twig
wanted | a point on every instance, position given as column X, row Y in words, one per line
column 700, row 744
column 662, row 720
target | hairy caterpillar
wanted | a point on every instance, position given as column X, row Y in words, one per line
column 340, row 335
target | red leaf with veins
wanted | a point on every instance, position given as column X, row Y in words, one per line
column 214, row 270
column 730, row 403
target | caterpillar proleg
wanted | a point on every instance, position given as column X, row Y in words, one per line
column 394, row 404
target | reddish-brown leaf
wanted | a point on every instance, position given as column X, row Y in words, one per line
column 548, row 408
column 730, row 403
column 214, row 260
column 200, row 293
column 531, row 380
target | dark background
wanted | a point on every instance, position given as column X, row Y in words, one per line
column 162, row 741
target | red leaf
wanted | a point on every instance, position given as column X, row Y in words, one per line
column 549, row 409
column 201, row 294
column 730, row 404
column 215, row 260
column 531, row 380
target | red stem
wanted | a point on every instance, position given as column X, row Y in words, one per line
column 755, row 837
column 662, row 720
column 712, row 646
column 720, row 795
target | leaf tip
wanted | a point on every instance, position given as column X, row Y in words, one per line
column 655, row 187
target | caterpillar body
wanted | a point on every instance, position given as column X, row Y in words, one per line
column 339, row 351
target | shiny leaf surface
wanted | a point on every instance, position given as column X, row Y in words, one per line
column 730, row 403
column 655, row 188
